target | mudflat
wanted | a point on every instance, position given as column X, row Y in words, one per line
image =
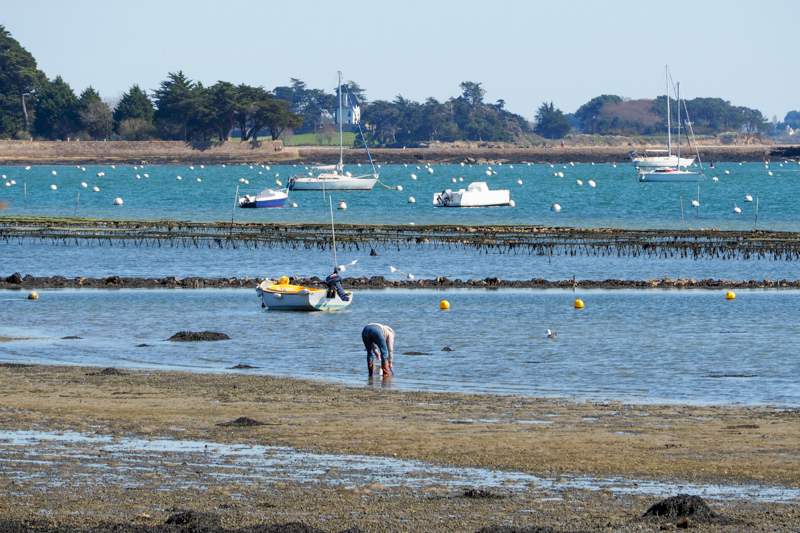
column 554, row 439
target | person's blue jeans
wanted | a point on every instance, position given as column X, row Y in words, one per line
column 373, row 338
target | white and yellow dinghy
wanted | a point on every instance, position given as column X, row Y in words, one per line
column 284, row 296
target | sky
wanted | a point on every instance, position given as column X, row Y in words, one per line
column 524, row 52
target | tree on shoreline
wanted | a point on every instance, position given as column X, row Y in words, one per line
column 551, row 123
column 19, row 80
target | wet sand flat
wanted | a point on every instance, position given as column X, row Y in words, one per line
column 552, row 439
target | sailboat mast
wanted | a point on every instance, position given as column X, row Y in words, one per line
column 341, row 119
column 669, row 126
column 679, row 125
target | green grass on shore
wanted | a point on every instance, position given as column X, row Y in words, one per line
column 313, row 139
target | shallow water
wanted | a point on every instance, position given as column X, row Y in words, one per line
column 118, row 460
column 618, row 200
column 645, row 346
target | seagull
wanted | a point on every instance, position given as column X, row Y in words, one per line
column 748, row 198
column 342, row 268
column 551, row 334
column 695, row 203
column 409, row 276
column 737, row 209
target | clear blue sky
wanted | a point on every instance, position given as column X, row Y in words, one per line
column 523, row 51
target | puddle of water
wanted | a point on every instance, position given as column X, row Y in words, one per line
column 103, row 459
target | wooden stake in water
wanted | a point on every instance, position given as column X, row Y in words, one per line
column 683, row 226
column 756, row 226
column 75, row 214
column 26, row 194
column 235, row 201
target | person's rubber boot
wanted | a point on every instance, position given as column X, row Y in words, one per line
column 370, row 368
column 385, row 368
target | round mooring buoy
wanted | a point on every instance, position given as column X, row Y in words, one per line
column 578, row 304
column 444, row 305
column 33, row 295
column 730, row 296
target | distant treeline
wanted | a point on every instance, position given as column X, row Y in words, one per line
column 33, row 106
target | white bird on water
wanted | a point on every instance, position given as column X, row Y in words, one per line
column 551, row 334
column 748, row 198
column 592, row 183
column 579, row 182
column 695, row 203
column 737, row 209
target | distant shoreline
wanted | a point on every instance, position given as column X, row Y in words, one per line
column 273, row 152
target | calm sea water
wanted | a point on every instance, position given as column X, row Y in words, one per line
column 618, row 200
column 639, row 346
column 636, row 346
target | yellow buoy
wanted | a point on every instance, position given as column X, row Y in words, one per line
column 444, row 304
column 283, row 280
column 579, row 304
column 33, row 295
column 730, row 295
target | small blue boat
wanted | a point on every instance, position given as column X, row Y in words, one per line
column 266, row 198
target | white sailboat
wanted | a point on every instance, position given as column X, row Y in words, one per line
column 675, row 173
column 336, row 178
column 662, row 158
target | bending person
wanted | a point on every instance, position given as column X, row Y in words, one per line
column 379, row 341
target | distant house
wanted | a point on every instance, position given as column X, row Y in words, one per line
column 351, row 113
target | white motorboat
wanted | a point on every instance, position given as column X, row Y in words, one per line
column 266, row 198
column 284, row 296
column 477, row 194
column 662, row 158
column 336, row 179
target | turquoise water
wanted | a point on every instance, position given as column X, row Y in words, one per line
column 618, row 200
column 638, row 346
column 635, row 346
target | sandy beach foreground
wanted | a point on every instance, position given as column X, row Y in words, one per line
column 47, row 487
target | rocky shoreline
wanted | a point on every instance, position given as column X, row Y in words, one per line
column 18, row 282
column 274, row 153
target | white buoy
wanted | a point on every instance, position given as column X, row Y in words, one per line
column 202, row 166
column 770, row 173
column 615, row 165
column 510, row 166
column 399, row 187
column 727, row 172
column 342, row 205
column 571, row 164
column 27, row 168
column 8, row 184
column 555, row 207
column 512, row 203
column 83, row 169
column 737, row 209
column 147, row 175
column 83, row 184
column 113, row 167
column 579, row 182
column 138, row 177
column 430, row 170
column 715, row 179
column 413, row 176
column 117, row 201
column 560, row 174
column 453, row 180
column 53, row 186
column 695, row 203
column 460, row 179
column 247, row 182
column 180, row 178
column 266, row 167
column 198, row 179
column 96, row 188
column 293, row 204
column 412, row 200
column 13, row 182
column 53, row 172
column 592, row 183
column 488, row 172
column 191, row 168
column 748, row 198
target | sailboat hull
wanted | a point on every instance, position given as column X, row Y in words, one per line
column 331, row 182
column 299, row 298
column 673, row 175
